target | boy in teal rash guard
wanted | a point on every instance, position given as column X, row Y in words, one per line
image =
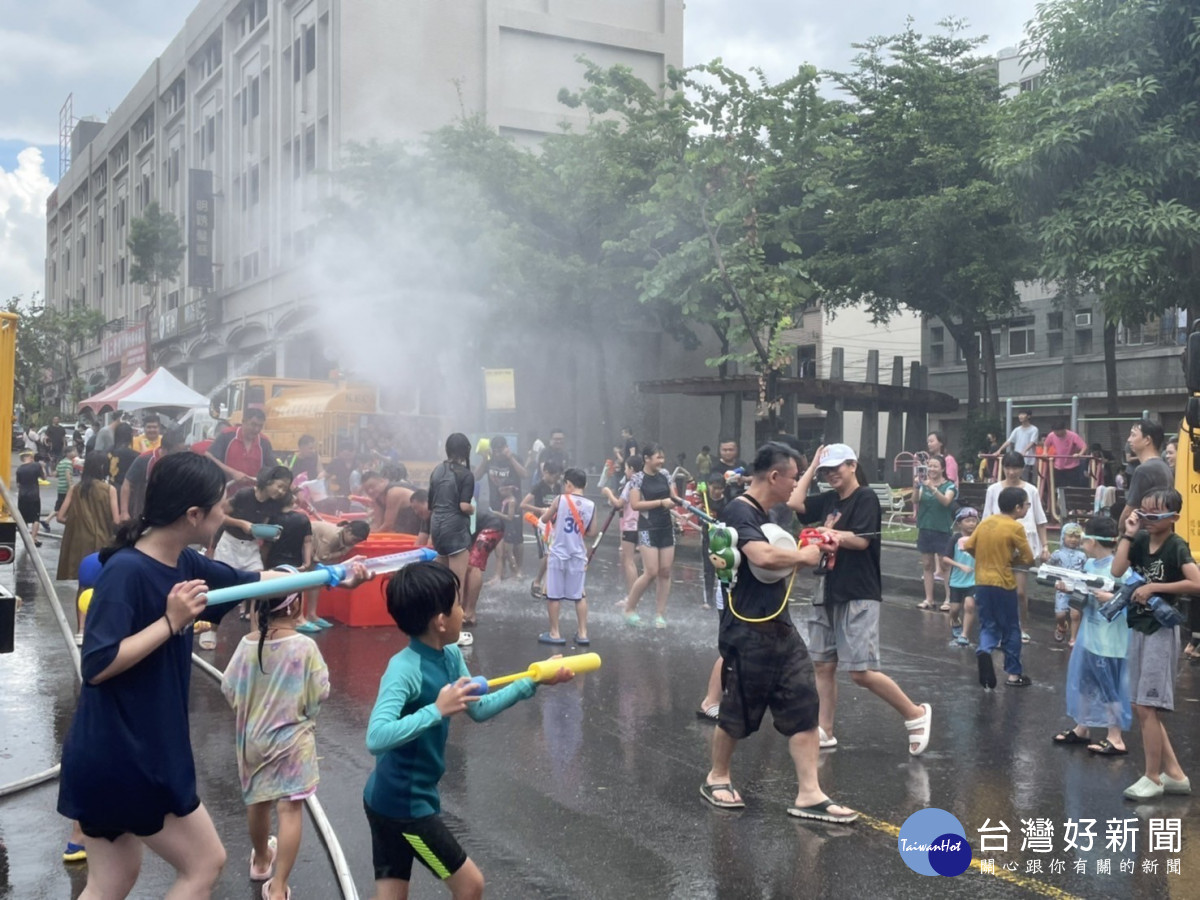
column 424, row 685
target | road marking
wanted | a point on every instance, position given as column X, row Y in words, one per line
column 1029, row 884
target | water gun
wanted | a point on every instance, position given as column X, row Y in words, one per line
column 814, row 537
column 1166, row 615
column 723, row 551
column 540, row 671
column 734, row 473
column 542, row 528
column 321, row 576
column 1079, row 585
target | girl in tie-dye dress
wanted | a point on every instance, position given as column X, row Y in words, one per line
column 275, row 683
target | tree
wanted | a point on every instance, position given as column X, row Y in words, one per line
column 156, row 247
column 1102, row 156
column 740, row 164
column 47, row 340
column 918, row 219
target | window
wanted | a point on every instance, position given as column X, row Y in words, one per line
column 1083, row 341
column 100, row 286
column 100, row 230
column 249, row 266
column 1020, row 337
column 310, row 148
column 254, row 185
column 121, row 272
column 1030, row 84
column 961, row 357
column 83, row 246
column 297, row 167
column 1054, row 321
column 310, row 48
column 210, row 58
column 253, row 88
column 937, row 346
column 806, row 360
column 1054, row 333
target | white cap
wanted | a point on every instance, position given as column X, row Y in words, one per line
column 835, row 455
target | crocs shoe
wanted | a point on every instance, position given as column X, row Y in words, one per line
column 634, row 620
column 824, row 741
column 308, row 628
column 465, row 639
column 322, row 623
column 660, row 622
column 265, row 874
column 75, row 853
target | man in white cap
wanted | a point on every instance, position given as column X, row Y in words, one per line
column 843, row 622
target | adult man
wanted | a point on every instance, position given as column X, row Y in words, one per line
column 557, row 449
column 727, row 461
column 1151, row 474
column 106, row 436
column 765, row 664
column 843, row 624
column 151, row 435
column 56, row 440
column 121, row 456
column 306, row 460
column 133, row 489
column 243, row 452
column 1065, row 447
column 1024, row 439
column 627, row 448
column 500, row 468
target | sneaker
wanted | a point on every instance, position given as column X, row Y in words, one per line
column 322, row 623
column 660, row 622
column 1143, row 789
column 75, row 853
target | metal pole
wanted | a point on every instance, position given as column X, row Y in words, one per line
column 1075, row 413
column 1008, row 417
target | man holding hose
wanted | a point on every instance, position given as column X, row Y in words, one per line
column 765, row 664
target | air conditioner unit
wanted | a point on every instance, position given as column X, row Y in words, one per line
column 1083, row 320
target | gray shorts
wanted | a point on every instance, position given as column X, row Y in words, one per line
column 846, row 633
column 564, row 578
column 1153, row 660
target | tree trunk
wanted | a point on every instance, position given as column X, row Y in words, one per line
column 991, row 380
column 964, row 335
column 1112, row 400
column 607, row 429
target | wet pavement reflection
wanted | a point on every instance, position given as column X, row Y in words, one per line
column 590, row 790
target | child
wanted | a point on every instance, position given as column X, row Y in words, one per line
column 704, row 463
column 293, row 547
column 962, row 577
column 996, row 544
column 1163, row 559
column 714, row 502
column 629, row 519
column 489, row 532
column 425, row 684
column 1097, row 680
column 1068, row 556
column 63, row 473
column 574, row 519
column 537, row 501
column 331, row 544
column 512, row 533
column 276, row 693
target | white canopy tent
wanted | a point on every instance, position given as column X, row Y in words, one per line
column 162, row 389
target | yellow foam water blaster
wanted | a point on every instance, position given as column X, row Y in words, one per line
column 84, row 601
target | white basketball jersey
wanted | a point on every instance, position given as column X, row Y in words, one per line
column 568, row 540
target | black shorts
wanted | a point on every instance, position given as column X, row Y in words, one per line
column 396, row 842
column 932, row 541
column 765, row 667
column 514, row 532
column 958, row 595
column 629, row 537
column 30, row 509
column 657, row 538
column 150, row 823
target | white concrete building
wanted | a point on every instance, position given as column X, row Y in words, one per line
column 262, row 94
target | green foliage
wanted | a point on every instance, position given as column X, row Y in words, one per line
column 1102, row 156
column 156, row 247
column 976, row 428
column 46, row 348
column 918, row 221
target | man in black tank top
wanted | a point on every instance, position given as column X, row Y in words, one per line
column 765, row 664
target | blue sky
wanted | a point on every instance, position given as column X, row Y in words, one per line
column 97, row 49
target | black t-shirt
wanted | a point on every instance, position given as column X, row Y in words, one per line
column 542, row 492
column 1152, row 475
column 289, row 549
column 1162, row 567
column 486, row 520
column 630, row 448
column 450, row 485
column 56, row 437
column 719, row 469
column 751, row 598
column 310, row 467
column 245, row 505
column 500, row 473
column 550, row 453
column 27, row 481
column 655, row 487
column 119, row 461
column 856, row 573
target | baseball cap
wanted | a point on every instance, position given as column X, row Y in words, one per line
column 967, row 512
column 836, row 454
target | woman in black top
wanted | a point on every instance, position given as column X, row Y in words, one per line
column 653, row 496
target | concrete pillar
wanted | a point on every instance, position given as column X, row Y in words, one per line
column 894, row 445
column 731, row 417
column 917, row 425
column 833, row 415
column 868, row 452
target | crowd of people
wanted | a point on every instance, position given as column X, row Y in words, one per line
column 146, row 511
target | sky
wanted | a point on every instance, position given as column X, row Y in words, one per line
column 97, row 49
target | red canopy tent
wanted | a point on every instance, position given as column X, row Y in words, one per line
column 107, row 398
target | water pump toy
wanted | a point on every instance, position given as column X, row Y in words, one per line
column 1166, row 615
column 541, row 671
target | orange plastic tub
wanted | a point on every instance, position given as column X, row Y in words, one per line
column 366, row 604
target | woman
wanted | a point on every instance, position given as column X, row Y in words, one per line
column 1169, row 450
column 629, row 520
column 451, row 496
column 389, row 499
column 236, row 545
column 933, row 498
column 89, row 514
column 128, row 774
column 1034, row 523
column 935, row 443
column 653, row 496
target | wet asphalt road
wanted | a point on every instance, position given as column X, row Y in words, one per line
column 590, row 790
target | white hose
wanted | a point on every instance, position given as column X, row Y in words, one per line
column 341, row 868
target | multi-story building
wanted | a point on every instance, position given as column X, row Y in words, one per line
column 260, row 96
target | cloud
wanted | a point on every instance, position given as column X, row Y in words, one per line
column 23, row 193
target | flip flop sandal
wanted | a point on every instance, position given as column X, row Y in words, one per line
column 924, row 722
column 266, row 892
column 1059, row 634
column 1070, row 737
column 1105, row 748
column 925, row 606
column 582, row 641
column 265, row 874
column 1022, row 681
column 945, row 607
column 709, row 712
column 709, row 793
column 820, row 812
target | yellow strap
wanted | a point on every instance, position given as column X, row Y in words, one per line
column 776, row 614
